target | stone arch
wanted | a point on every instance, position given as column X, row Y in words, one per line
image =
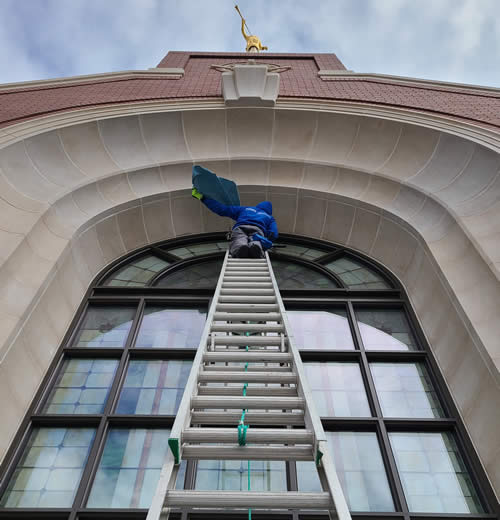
column 421, row 201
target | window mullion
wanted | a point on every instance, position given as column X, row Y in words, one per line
column 91, row 465
column 387, row 456
column 98, row 446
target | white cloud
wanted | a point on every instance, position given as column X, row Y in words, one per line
column 452, row 40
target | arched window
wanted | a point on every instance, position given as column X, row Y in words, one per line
column 96, row 435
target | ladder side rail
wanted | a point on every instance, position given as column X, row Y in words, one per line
column 312, row 419
column 311, row 416
column 183, row 413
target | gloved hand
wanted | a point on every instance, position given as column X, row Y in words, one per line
column 266, row 243
column 196, row 194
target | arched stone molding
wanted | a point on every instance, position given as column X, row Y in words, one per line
column 78, row 197
column 445, row 165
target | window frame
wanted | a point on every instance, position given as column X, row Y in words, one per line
column 99, row 294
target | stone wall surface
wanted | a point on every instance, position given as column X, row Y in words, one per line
column 423, row 202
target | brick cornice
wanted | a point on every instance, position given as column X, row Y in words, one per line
column 446, row 86
column 161, row 73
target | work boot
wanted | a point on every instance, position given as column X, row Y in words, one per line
column 255, row 250
column 243, row 251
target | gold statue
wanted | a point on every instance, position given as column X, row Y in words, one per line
column 253, row 42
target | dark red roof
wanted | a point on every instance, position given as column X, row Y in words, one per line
column 200, row 81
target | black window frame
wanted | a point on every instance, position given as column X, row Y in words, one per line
column 99, row 294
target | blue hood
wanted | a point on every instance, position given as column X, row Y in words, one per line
column 266, row 206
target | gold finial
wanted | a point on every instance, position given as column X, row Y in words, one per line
column 253, row 42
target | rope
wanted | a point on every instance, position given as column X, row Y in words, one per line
column 242, row 428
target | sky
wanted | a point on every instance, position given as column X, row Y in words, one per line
column 448, row 40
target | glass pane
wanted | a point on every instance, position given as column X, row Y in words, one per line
column 307, row 477
column 302, row 251
column 129, row 468
column 153, row 387
column 385, row 329
column 199, row 249
column 361, row 470
column 321, row 330
column 232, row 475
column 198, row 276
column 356, row 275
column 296, row 276
column 137, row 273
column 82, row 386
column 434, row 476
column 405, row 390
column 337, row 388
column 50, row 469
column 171, row 328
column 105, row 327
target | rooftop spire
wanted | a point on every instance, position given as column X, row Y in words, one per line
column 253, row 42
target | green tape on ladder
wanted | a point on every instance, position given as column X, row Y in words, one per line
column 319, row 456
column 174, row 446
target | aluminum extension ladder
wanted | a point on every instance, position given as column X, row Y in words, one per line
column 247, row 301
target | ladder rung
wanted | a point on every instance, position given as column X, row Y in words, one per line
column 248, row 340
column 243, row 356
column 247, row 377
column 275, row 403
column 262, row 368
column 246, row 299
column 249, row 285
column 257, row 276
column 269, row 391
column 249, row 307
column 249, row 499
column 230, row 265
column 254, row 435
column 245, row 260
column 256, row 279
column 246, row 316
column 247, row 291
column 247, row 452
column 247, row 327
column 247, row 269
column 257, row 418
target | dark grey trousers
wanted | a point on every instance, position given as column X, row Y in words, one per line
column 241, row 244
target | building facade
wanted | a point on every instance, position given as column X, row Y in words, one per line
column 386, row 190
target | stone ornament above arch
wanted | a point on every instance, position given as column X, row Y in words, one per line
column 423, row 202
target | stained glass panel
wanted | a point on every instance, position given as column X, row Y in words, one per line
column 129, row 468
column 232, row 475
column 171, row 328
column 296, row 276
column 357, row 275
column 50, row 469
column 433, row 473
column 198, row 276
column 308, row 253
column 105, row 327
column 385, row 329
column 81, row 387
column 337, row 388
column 321, row 329
column 137, row 273
column 405, row 390
column 203, row 248
column 153, row 387
column 361, row 471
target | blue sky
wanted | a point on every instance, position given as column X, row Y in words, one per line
column 450, row 40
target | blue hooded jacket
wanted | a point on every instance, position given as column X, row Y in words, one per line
column 260, row 215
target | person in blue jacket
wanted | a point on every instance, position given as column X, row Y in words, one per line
column 250, row 220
